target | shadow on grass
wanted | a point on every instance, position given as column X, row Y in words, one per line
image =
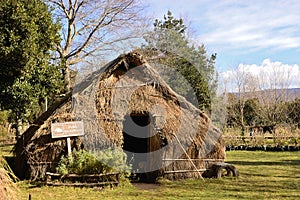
column 257, row 163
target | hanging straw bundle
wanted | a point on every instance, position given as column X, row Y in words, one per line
column 8, row 189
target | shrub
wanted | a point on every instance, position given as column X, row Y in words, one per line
column 87, row 162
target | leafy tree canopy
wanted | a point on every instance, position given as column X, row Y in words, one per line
column 27, row 36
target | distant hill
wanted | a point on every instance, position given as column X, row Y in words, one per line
column 283, row 94
column 294, row 92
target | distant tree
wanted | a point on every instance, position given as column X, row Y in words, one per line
column 260, row 99
column 231, row 116
column 243, row 82
column 92, row 26
column 170, row 42
column 249, row 117
column 251, row 112
column 293, row 110
column 27, row 77
column 273, row 86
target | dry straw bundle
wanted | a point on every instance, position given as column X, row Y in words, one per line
column 8, row 189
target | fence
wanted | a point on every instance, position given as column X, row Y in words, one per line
column 262, row 142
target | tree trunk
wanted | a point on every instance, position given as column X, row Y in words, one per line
column 67, row 78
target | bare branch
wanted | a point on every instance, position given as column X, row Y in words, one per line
column 89, row 26
column 86, row 18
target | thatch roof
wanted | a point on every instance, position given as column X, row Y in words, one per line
column 127, row 85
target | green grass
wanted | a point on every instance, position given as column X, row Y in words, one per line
column 263, row 175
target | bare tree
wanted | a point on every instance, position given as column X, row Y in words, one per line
column 269, row 88
column 273, row 85
column 244, row 85
column 89, row 26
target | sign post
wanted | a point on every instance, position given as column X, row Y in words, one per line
column 67, row 130
column 69, row 146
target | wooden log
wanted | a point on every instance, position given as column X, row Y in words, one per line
column 91, row 175
column 230, row 170
column 216, row 170
column 111, row 183
column 184, row 171
column 199, row 159
column 88, row 180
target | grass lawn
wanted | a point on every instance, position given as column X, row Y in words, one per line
column 263, row 175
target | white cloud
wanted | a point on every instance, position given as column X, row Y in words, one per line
column 236, row 24
column 239, row 25
column 267, row 75
column 240, row 31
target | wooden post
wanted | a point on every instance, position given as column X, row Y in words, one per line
column 187, row 155
column 69, row 146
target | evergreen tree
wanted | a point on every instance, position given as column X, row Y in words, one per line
column 27, row 77
column 251, row 112
column 196, row 79
column 293, row 110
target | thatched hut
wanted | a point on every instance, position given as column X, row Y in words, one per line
column 127, row 105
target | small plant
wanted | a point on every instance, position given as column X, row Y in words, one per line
column 114, row 160
column 81, row 162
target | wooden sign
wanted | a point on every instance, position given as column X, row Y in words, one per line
column 67, row 129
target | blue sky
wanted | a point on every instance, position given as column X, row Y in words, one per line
column 241, row 32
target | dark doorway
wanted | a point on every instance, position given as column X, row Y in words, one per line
column 139, row 140
column 136, row 132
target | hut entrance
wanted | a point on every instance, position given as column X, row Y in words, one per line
column 136, row 132
column 138, row 142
